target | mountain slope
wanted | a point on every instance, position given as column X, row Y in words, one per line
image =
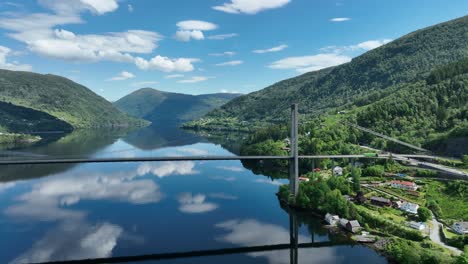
column 61, row 98
column 407, row 59
column 157, row 106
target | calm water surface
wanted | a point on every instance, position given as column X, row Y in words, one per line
column 63, row 212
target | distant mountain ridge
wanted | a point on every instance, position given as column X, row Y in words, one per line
column 158, row 106
column 60, row 99
column 407, row 59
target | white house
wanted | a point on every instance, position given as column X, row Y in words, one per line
column 460, row 227
column 343, row 222
column 331, row 219
column 409, row 207
column 338, row 171
column 407, row 185
column 417, row 225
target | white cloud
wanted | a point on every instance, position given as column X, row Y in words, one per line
column 193, row 29
column 75, row 240
column 274, row 49
column 43, row 34
column 172, row 76
column 229, row 91
column 223, row 36
column 250, row 6
column 272, row 182
column 167, row 168
column 144, row 83
column 193, row 151
column 195, row 204
column 196, row 25
column 226, row 53
column 98, row 7
column 340, row 19
column 14, row 66
column 166, row 64
column 231, row 168
column 194, row 79
column 372, row 44
column 130, row 8
column 310, row 63
column 125, row 75
column 230, row 63
column 363, row 46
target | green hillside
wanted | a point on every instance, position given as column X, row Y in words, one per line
column 157, row 106
column 365, row 79
column 61, row 98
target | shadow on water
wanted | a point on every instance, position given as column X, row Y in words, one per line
column 155, row 137
column 80, row 143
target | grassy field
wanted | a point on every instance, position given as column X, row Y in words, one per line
column 453, row 205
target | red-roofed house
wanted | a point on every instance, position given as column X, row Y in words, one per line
column 407, row 185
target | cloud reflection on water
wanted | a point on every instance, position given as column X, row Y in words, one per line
column 195, row 204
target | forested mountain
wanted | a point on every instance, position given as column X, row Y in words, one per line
column 414, row 88
column 158, row 106
column 408, row 59
column 60, row 98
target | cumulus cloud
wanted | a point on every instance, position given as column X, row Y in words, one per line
column 48, row 200
column 43, row 34
column 195, row 204
column 223, row 36
column 166, row 64
column 193, row 29
column 14, row 66
column 274, row 49
column 130, row 8
column 230, row 63
column 194, row 79
column 340, row 19
column 250, row 6
column 75, row 240
column 226, row 53
column 168, row 168
column 310, row 63
column 125, row 75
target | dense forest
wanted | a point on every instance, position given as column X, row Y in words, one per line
column 158, row 106
column 61, row 98
column 408, row 59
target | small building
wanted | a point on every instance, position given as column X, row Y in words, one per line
column 417, row 225
column 353, row 226
column 303, row 179
column 338, row 171
column 332, row 219
column 409, row 207
column 348, row 198
column 343, row 222
column 380, row 201
column 398, row 204
column 460, row 227
column 407, row 185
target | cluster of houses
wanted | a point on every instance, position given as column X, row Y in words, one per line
column 408, row 207
column 460, row 228
column 352, row 226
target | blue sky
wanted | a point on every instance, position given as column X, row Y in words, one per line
column 115, row 47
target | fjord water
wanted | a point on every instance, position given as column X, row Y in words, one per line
column 63, row 212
